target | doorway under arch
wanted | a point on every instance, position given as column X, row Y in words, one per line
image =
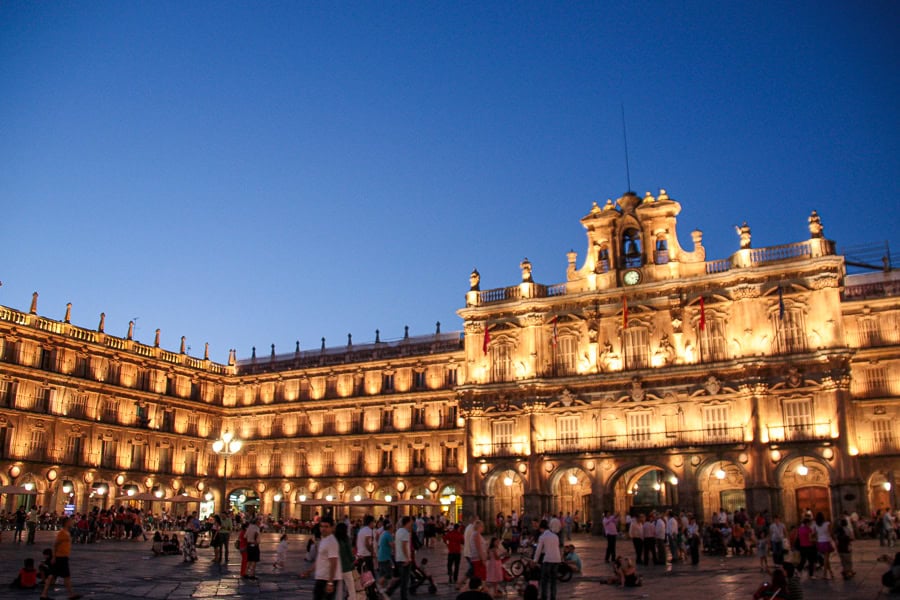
column 244, row 500
column 722, row 487
column 506, row 488
column 572, row 493
column 645, row 488
column 806, row 486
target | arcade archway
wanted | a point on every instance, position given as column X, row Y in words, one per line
column 506, row 489
column 722, row 487
column 572, row 493
column 806, row 486
column 645, row 488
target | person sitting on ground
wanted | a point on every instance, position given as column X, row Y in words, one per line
column 777, row 589
column 571, row 558
column 474, row 592
column 44, row 568
column 628, row 576
column 27, row 576
column 157, row 547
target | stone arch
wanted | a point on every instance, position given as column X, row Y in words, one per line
column 805, row 485
column 879, row 486
column 505, row 490
column 572, row 490
column 722, row 485
column 643, row 487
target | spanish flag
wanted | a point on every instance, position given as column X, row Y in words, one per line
column 487, row 339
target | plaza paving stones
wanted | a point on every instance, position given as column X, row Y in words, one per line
column 113, row 570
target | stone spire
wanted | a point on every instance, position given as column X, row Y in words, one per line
column 68, row 317
column 102, row 325
column 33, row 309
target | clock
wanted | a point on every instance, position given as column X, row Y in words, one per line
column 631, row 277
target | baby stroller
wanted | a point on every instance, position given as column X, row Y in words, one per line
column 418, row 576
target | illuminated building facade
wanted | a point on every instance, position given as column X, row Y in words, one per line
column 650, row 377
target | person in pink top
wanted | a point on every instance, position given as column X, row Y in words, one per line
column 807, row 548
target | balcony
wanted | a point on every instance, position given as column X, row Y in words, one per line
column 642, row 440
column 802, row 432
column 500, row 449
column 870, row 446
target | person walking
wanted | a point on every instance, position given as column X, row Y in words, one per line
column 59, row 564
column 252, row 537
column 348, row 585
column 454, row 540
column 548, row 546
column 824, row 544
column 403, row 554
column 328, row 562
column 31, row 521
column 807, row 548
column 636, row 533
column 225, row 534
column 19, row 524
column 777, row 535
column 611, row 530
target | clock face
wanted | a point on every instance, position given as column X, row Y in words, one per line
column 632, row 277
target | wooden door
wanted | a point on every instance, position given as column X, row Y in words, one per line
column 815, row 498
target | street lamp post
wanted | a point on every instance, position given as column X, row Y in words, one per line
column 226, row 446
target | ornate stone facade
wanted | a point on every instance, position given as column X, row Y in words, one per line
column 650, row 377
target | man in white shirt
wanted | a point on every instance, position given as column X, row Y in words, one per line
column 611, row 530
column 660, row 534
column 468, row 548
column 636, row 533
column 403, row 554
column 328, row 567
column 672, row 535
column 252, row 537
column 365, row 543
column 777, row 535
column 548, row 545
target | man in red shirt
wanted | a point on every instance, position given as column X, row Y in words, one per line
column 454, row 540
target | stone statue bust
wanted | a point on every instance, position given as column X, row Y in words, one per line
column 474, row 280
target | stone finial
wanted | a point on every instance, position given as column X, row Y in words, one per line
column 253, row 353
column 206, row 351
column 609, row 205
column 181, row 349
column 744, row 232
column 33, row 309
column 323, row 344
column 349, row 339
column 697, row 237
column 232, row 357
column 68, row 317
column 102, row 325
column 474, row 280
column 648, row 198
column 377, row 336
column 571, row 256
column 663, row 196
column 525, row 265
column 273, row 351
column 815, row 226
column 437, row 328
column 297, row 348
column 406, row 332
column 595, row 208
column 156, row 339
column 130, row 334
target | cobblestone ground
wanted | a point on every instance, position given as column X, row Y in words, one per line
column 125, row 569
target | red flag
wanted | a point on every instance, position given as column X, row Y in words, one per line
column 487, row 339
column 555, row 339
column 624, row 311
column 702, row 315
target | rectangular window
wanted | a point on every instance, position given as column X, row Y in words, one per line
column 37, row 444
column 874, row 382
column 567, row 433
column 275, row 464
column 387, row 460
column 193, row 427
column 883, row 430
column 449, row 416
column 357, row 462
column 328, row 427
column 713, row 340
column 798, row 419
column 419, row 379
column 418, row 458
column 501, row 363
column 165, row 459
column 110, row 411
column 790, row 332
column 639, row 427
column 328, row 461
column 77, row 406
column 4, row 392
column 502, row 436
column 138, row 456
column 168, row 424
column 637, row 347
column 387, row 383
column 565, row 355
column 450, row 377
column 387, row 418
column 715, row 423
column 419, row 416
column 190, row 461
column 451, row 457
column 108, row 451
column 73, row 450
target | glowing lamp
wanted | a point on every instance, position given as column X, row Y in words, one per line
column 29, row 486
column 208, row 496
column 329, row 497
column 657, row 486
column 573, row 479
column 277, row 498
column 507, row 481
column 302, row 498
column 357, row 498
column 887, row 486
column 388, row 498
column 673, row 480
column 720, row 473
column 803, row 470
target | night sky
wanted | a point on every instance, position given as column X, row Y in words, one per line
column 248, row 173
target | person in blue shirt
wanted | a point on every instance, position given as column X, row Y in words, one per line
column 385, row 555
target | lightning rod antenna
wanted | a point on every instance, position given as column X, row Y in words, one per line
column 625, row 138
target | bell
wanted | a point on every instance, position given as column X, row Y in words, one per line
column 631, row 249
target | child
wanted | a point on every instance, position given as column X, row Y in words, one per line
column 494, row 567
column 762, row 551
column 44, row 568
column 280, row 553
column 27, row 577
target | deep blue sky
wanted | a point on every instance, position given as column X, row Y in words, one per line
column 259, row 172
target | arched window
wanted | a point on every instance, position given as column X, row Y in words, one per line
column 632, row 253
